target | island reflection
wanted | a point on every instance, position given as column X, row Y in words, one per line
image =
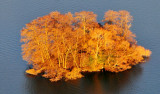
column 91, row 83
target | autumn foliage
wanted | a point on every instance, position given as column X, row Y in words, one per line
column 65, row 45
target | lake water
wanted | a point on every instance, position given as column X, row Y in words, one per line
column 141, row 79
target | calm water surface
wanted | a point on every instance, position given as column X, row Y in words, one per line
column 141, row 79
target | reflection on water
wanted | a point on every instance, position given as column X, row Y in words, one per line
column 92, row 83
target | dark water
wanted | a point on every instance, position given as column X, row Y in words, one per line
column 142, row 79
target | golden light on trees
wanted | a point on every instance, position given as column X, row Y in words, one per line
column 64, row 45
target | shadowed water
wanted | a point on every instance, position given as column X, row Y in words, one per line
column 141, row 79
column 92, row 83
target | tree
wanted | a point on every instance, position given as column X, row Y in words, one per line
column 64, row 45
column 86, row 20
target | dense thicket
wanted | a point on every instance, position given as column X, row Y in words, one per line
column 64, row 45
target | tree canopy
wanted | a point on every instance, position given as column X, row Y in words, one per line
column 65, row 45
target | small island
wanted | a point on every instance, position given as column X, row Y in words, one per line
column 63, row 46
